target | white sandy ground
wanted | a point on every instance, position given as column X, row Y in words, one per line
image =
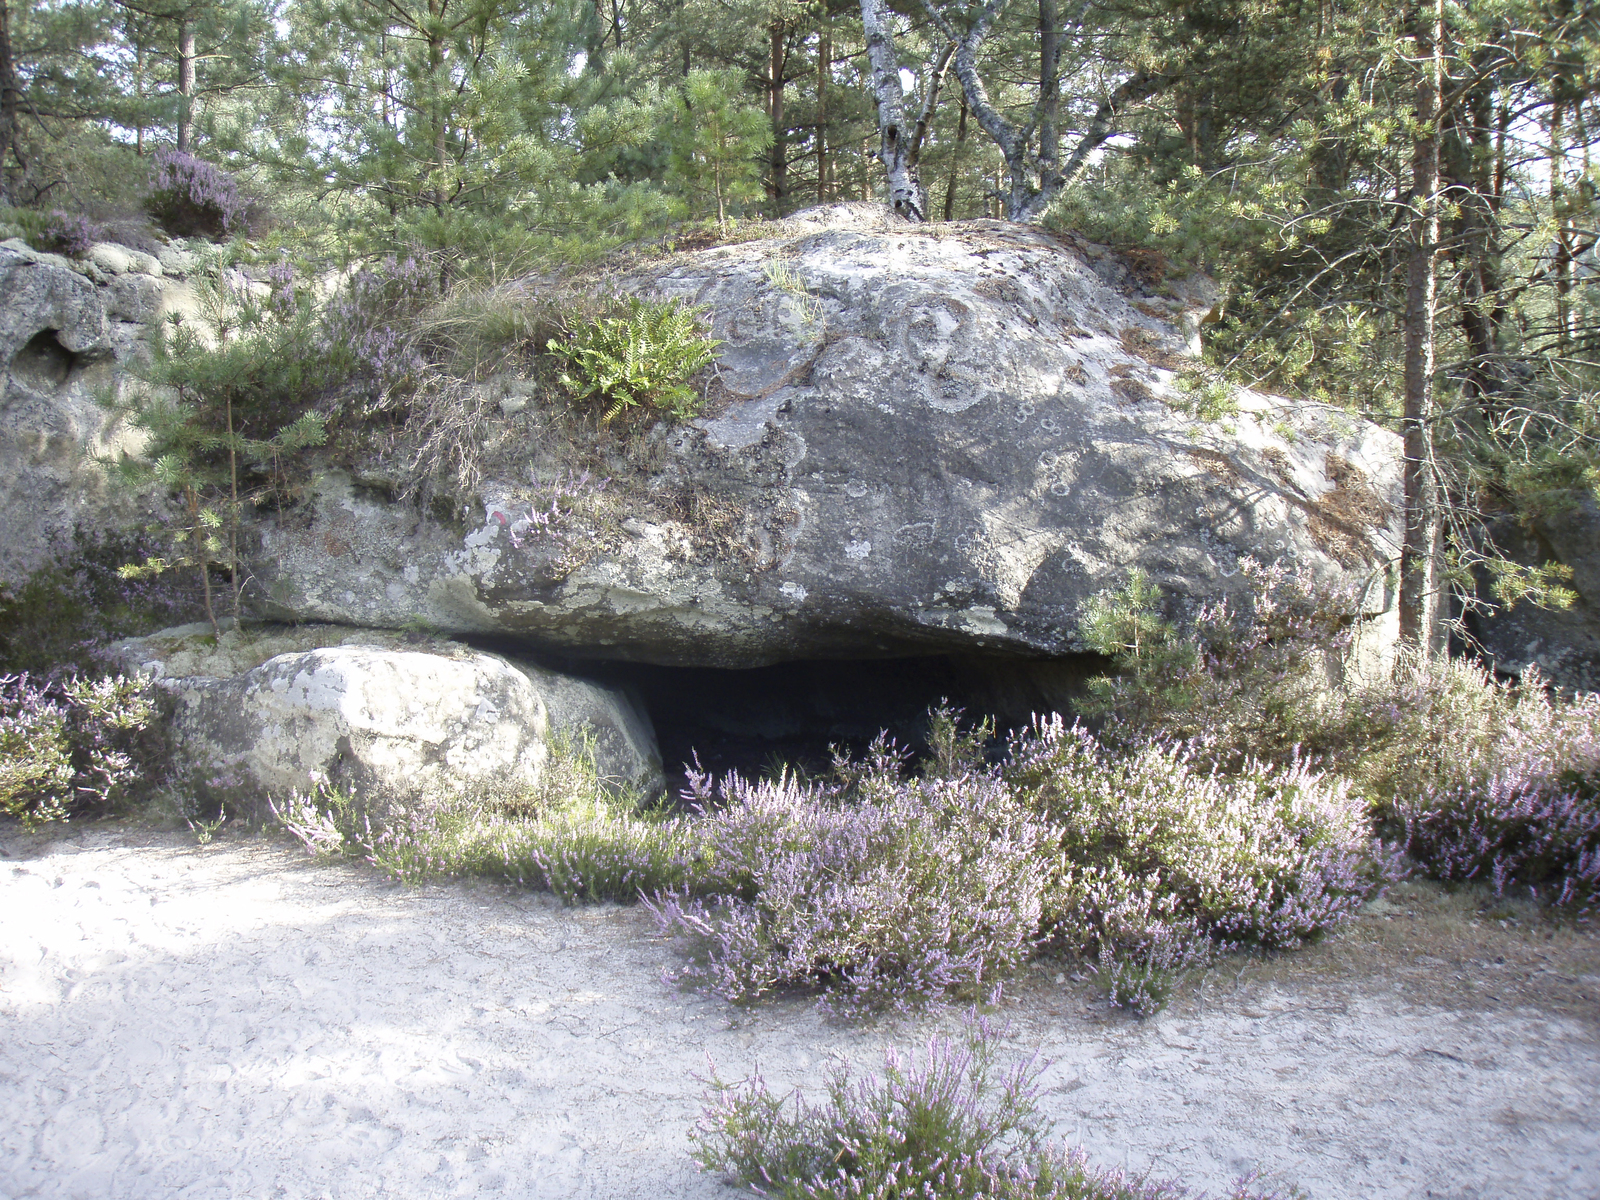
column 235, row 1020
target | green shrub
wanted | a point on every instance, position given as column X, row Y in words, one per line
column 578, row 835
column 643, row 355
column 1244, row 679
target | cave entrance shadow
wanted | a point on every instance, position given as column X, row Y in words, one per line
column 757, row 720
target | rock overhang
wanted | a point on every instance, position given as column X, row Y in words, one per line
column 922, row 439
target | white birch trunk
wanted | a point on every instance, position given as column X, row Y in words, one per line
column 895, row 141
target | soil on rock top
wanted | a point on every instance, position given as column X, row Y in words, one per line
column 237, row 1020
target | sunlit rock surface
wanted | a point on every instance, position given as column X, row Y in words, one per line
column 266, row 713
column 918, row 440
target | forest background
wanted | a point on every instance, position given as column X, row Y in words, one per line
column 1398, row 200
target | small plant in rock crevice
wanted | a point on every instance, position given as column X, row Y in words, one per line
column 643, row 355
column 560, row 521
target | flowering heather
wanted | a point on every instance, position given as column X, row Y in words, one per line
column 884, row 891
column 1267, row 856
column 905, row 892
column 935, row 1125
column 548, row 519
column 1163, row 858
column 1523, row 810
column 283, row 297
column 362, row 325
column 57, row 232
column 70, row 745
column 190, row 197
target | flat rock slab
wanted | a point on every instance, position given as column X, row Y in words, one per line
column 235, row 1020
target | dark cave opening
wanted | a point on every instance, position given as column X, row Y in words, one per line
column 43, row 363
column 758, row 719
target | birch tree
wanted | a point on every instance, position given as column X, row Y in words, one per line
column 1036, row 172
column 897, row 146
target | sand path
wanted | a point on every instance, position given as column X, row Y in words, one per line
column 234, row 1020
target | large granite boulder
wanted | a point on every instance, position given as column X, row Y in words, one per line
column 920, row 439
column 265, row 713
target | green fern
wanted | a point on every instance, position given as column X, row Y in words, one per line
column 644, row 356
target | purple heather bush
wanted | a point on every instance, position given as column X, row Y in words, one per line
column 57, row 232
column 190, row 197
column 1164, row 858
column 939, row 1124
column 886, row 894
column 884, row 890
column 364, row 325
column 1478, row 780
column 70, row 746
column 1522, row 810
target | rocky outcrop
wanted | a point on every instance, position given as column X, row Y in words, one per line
column 926, row 439
column 267, row 713
column 64, row 327
column 1563, row 643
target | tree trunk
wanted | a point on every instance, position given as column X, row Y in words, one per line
column 186, row 57
column 778, row 155
column 895, row 142
column 955, row 162
column 1027, row 197
column 10, row 98
column 930, row 104
column 1049, row 105
column 1478, row 246
column 1420, row 617
column 824, row 69
column 1559, row 214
